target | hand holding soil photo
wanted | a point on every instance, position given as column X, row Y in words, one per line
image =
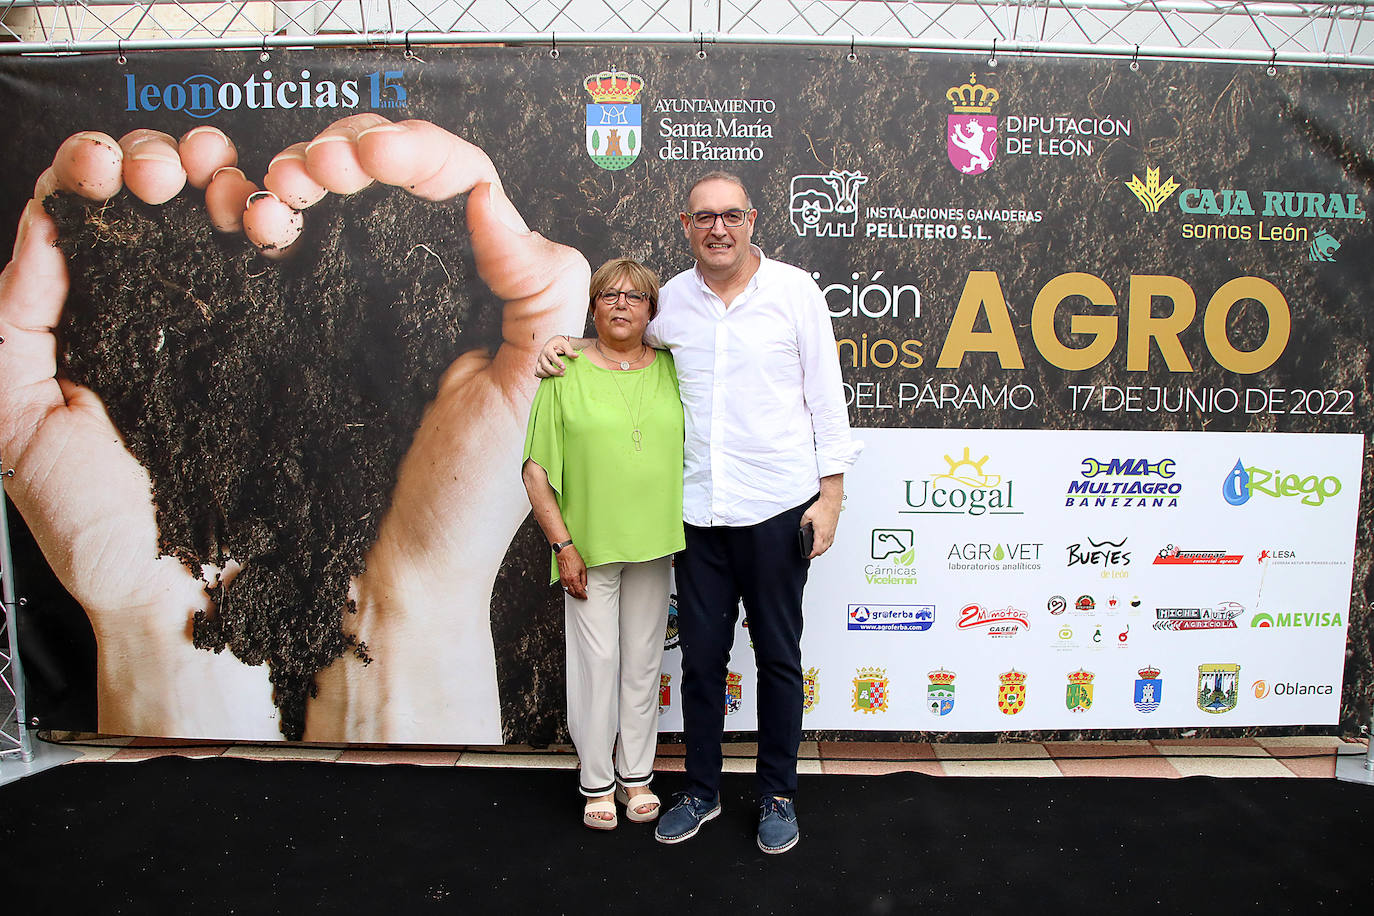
column 299, row 458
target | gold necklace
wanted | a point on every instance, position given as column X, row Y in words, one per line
column 624, row 363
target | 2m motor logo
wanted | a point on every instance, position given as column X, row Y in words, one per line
column 203, row 96
column 971, row 131
column 965, row 489
column 1244, row 481
column 1000, row 622
column 614, row 131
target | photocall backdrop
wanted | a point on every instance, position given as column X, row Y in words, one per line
column 1104, row 329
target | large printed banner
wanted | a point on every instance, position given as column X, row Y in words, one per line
column 1105, row 332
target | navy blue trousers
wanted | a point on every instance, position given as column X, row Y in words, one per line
column 761, row 565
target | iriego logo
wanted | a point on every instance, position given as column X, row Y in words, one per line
column 1244, row 481
column 203, row 96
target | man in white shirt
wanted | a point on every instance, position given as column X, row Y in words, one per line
column 767, row 445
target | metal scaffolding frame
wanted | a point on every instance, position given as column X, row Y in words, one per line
column 1237, row 31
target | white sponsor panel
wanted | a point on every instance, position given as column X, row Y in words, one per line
column 1037, row 552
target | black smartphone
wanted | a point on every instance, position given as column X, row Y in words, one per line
column 806, row 539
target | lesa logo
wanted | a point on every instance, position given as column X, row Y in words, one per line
column 971, row 131
column 965, row 489
column 826, row 206
column 614, row 135
column 1244, row 481
column 203, row 96
column 1150, row 192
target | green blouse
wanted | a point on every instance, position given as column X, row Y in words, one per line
column 621, row 503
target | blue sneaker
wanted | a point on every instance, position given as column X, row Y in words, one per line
column 685, row 818
column 777, row 824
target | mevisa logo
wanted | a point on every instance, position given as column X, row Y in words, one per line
column 202, row 96
column 1297, row 619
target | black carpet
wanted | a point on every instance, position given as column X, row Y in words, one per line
column 222, row 836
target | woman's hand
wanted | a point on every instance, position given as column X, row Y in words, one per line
column 572, row 572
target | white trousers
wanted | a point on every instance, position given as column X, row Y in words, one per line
column 615, row 653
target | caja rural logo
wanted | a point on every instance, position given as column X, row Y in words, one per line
column 614, row 134
column 203, row 96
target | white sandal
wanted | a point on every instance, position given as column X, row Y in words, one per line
column 592, row 808
column 638, row 801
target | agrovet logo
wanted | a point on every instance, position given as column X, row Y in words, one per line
column 614, row 130
column 203, row 96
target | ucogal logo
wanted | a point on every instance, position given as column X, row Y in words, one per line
column 967, row 489
column 202, row 96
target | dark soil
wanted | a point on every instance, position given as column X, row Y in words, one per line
column 270, row 404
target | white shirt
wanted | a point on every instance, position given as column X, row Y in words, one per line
column 761, row 390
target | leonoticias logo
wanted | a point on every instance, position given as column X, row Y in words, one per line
column 203, row 96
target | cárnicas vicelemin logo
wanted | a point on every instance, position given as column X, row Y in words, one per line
column 203, row 96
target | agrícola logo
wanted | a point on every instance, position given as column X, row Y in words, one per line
column 614, row 134
column 203, row 96
column 1244, row 481
column 971, row 131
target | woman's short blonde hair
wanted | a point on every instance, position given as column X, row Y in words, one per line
column 640, row 277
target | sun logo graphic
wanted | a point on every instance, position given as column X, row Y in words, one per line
column 1150, row 192
column 971, row 131
column 968, row 472
column 613, row 120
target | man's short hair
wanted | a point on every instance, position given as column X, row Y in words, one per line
column 718, row 176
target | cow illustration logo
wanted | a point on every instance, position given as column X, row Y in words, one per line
column 1011, row 695
column 1218, row 687
column 1078, row 695
column 971, row 131
column 734, row 692
column 665, row 693
column 870, row 691
column 613, row 120
column 1149, row 689
column 811, row 689
column 826, row 206
column 940, row 693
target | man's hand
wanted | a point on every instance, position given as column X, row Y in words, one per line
column 559, row 345
column 824, row 514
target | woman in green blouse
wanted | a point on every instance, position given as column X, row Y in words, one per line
column 603, row 469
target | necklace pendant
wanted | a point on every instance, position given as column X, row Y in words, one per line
column 635, row 435
column 625, row 365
